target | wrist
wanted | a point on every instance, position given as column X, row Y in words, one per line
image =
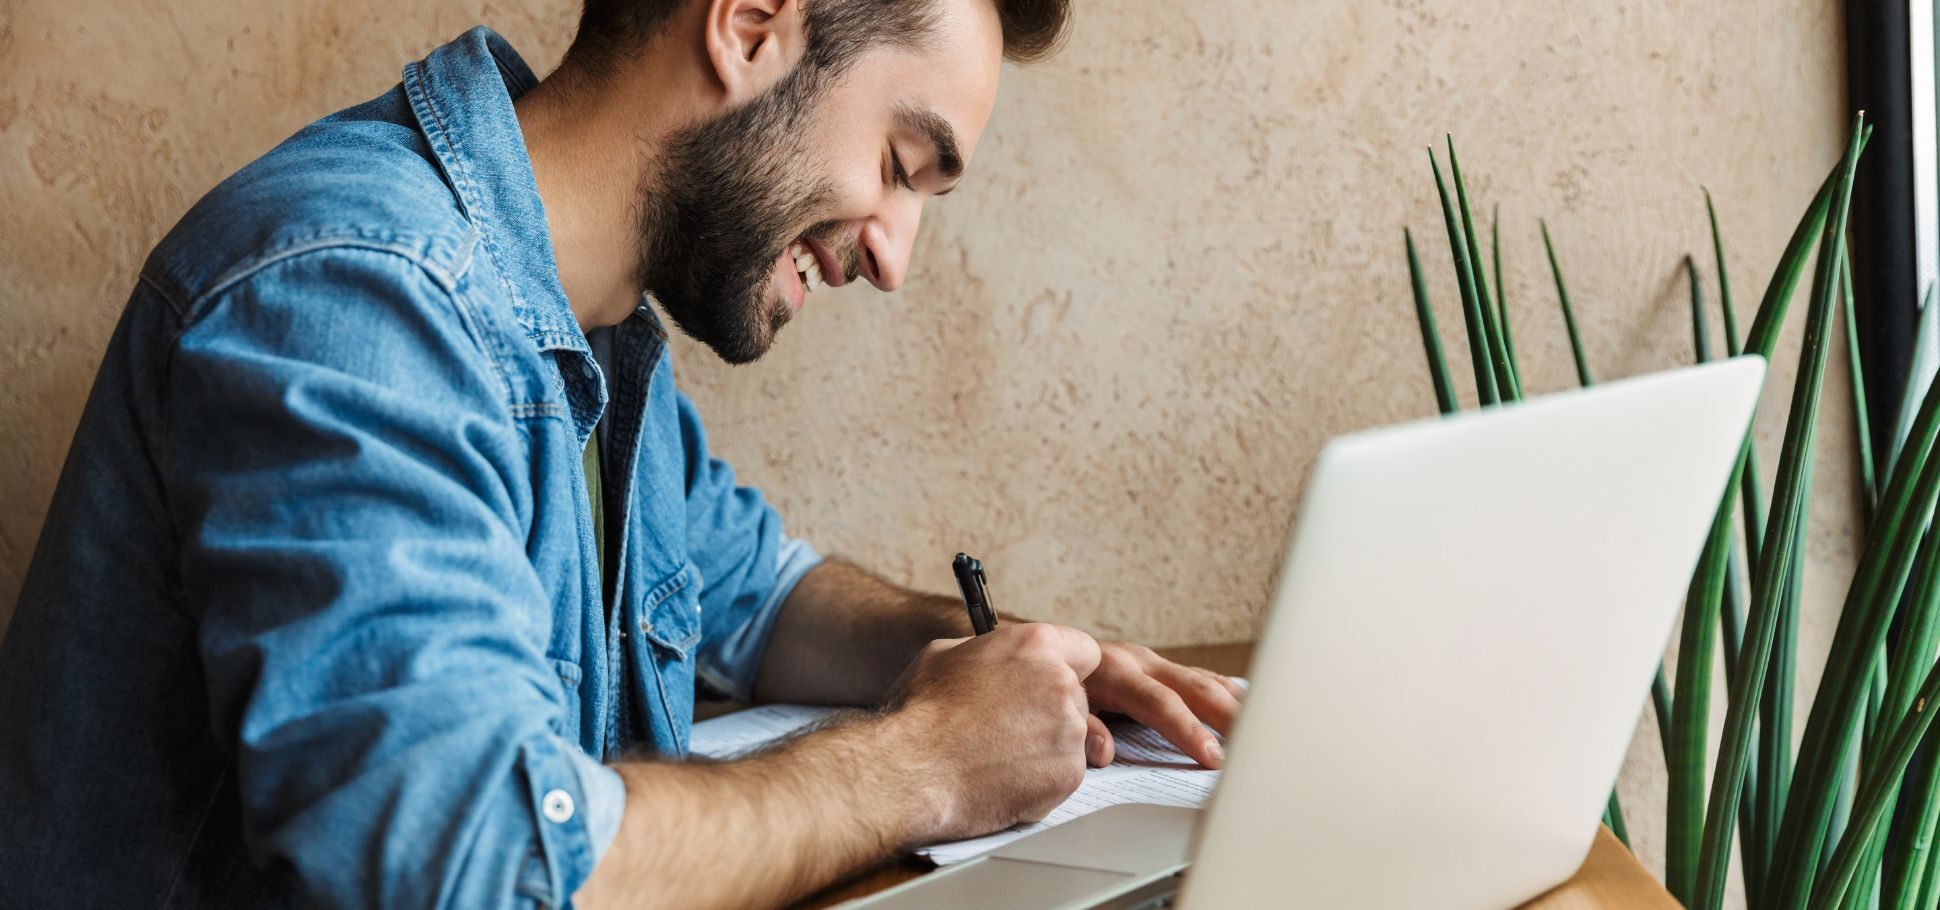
column 895, row 745
column 942, row 616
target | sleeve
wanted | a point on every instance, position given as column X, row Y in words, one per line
column 748, row 565
column 341, row 469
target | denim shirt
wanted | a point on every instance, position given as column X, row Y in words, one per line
column 316, row 615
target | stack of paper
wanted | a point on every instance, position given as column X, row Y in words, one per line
column 1147, row 769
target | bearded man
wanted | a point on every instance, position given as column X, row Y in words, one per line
column 388, row 558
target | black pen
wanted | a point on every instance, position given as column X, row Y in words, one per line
column 976, row 594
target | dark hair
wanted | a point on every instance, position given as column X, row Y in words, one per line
column 838, row 30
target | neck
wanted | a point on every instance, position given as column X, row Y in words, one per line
column 593, row 142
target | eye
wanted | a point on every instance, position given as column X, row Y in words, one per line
column 896, row 170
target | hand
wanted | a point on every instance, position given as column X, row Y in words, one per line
column 1177, row 701
column 999, row 723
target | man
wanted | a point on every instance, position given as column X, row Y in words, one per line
column 387, row 555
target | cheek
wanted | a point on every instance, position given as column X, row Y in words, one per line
column 854, row 181
column 848, row 195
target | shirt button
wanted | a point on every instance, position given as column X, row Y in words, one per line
column 558, row 806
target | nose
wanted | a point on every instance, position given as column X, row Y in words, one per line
column 886, row 241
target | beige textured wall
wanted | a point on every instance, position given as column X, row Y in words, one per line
column 1175, row 271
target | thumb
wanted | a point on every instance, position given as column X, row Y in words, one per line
column 1099, row 748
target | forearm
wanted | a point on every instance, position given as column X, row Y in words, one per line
column 844, row 635
column 764, row 830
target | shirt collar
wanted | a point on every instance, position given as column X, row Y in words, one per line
column 462, row 96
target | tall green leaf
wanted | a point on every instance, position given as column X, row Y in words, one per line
column 1862, row 426
column 1919, row 640
column 1904, row 887
column 1762, row 337
column 1732, row 615
column 1882, row 780
column 1784, row 532
column 1700, row 336
column 1724, row 278
column 1502, row 294
column 1569, row 314
column 1483, row 359
column 1834, row 722
column 1690, row 717
column 1505, row 372
column 1770, row 770
column 1431, row 340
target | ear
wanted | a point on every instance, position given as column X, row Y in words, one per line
column 752, row 44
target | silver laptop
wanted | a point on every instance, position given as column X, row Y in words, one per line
column 1465, row 629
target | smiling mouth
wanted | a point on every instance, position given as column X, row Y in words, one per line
column 807, row 266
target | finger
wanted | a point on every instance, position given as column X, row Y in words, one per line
column 1099, row 748
column 1155, row 705
column 1201, row 692
column 1238, row 691
column 1076, row 649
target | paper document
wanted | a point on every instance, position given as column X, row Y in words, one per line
column 732, row 734
column 1147, row 769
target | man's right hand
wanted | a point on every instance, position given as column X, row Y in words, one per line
column 998, row 724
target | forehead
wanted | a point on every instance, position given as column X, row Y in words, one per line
column 953, row 75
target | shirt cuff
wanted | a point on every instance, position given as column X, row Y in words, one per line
column 605, row 794
column 740, row 657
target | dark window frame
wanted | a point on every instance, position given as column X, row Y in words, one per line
column 1893, row 235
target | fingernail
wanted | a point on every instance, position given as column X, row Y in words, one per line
column 1094, row 744
column 1218, row 754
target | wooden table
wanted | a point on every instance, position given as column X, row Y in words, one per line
column 1609, row 878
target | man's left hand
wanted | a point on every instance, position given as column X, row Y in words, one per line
column 1179, row 702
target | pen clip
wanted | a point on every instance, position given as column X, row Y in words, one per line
column 976, row 592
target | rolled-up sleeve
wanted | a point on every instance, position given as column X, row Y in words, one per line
column 342, row 472
column 748, row 565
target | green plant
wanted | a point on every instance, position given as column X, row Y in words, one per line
column 1850, row 821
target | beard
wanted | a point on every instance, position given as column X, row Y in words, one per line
column 731, row 194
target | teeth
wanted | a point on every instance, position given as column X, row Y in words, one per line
column 809, row 266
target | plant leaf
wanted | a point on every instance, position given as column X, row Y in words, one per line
column 1919, row 640
column 1881, row 782
column 1770, row 768
column 1784, row 534
column 1502, row 295
column 1724, row 280
column 1762, row 337
column 1569, row 315
column 1430, row 337
column 1690, row 720
column 1862, row 425
column 1913, row 876
column 1832, row 726
column 1613, row 819
column 1769, row 772
column 1505, row 372
column 1478, row 335
column 1700, row 338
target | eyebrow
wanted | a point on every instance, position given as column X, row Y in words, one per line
column 927, row 124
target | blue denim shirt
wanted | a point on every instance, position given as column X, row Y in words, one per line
column 316, row 615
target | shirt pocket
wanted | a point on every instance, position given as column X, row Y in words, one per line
column 670, row 626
